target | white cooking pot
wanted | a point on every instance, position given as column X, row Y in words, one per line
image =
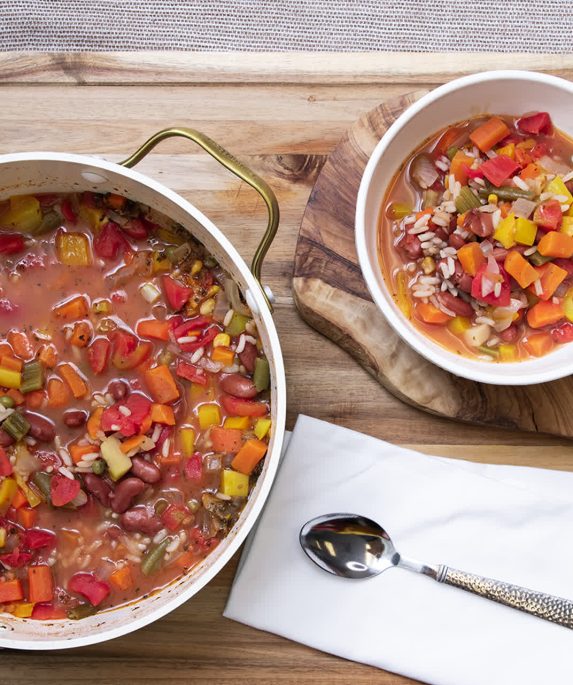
column 495, row 92
column 48, row 172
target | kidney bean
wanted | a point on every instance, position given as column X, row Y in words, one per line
column 248, row 357
column 237, row 385
column 148, row 472
column 509, row 335
column 456, row 241
column 5, row 439
column 479, row 223
column 441, row 233
column 140, row 520
column 461, row 279
column 74, row 418
column 412, row 246
column 455, row 304
column 125, row 492
column 41, row 428
column 118, row 389
column 499, row 254
column 101, row 489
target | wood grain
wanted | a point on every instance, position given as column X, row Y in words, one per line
column 282, row 118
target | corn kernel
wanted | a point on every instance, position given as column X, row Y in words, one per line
column 207, row 307
column 196, row 267
column 222, row 340
column 213, row 290
column 2, row 537
column 492, row 199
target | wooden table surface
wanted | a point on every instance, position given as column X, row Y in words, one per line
column 281, row 114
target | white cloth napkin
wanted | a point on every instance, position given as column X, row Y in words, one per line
column 510, row 523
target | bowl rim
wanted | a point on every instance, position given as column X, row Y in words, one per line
column 232, row 542
column 475, row 370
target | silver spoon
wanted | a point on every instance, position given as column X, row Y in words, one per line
column 353, row 546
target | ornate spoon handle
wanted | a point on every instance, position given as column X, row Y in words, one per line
column 548, row 607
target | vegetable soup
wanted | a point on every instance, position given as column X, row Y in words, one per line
column 476, row 238
column 134, row 403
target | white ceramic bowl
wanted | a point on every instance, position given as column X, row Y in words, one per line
column 49, row 172
column 496, row 92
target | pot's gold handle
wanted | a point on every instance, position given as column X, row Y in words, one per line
column 239, row 169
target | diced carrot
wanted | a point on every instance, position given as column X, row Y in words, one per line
column 532, row 170
column 35, row 399
column 11, row 591
column 77, row 451
column 81, row 335
column 459, row 166
column 544, row 314
column 186, row 560
column 422, row 212
column 27, row 517
column 20, row 500
column 172, row 459
column 16, row 395
column 12, row 363
column 249, row 456
column 20, row 344
column 131, row 443
column 224, row 355
column 94, row 422
column 430, row 314
column 505, row 208
column 162, row 413
column 539, row 344
column 122, row 578
column 471, row 258
column 115, row 201
column 58, row 393
column 489, row 133
column 227, row 440
column 556, row 244
column 5, row 348
column 48, row 356
column 40, row 583
column 518, row 267
column 145, row 424
column 152, row 328
column 76, row 308
column 460, row 220
column 72, row 377
column 551, row 277
column 161, row 384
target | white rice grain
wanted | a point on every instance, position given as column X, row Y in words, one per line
column 66, row 472
column 197, row 355
column 241, row 344
column 126, row 411
column 520, row 183
column 228, row 317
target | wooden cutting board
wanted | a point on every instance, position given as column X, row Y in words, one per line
column 332, row 296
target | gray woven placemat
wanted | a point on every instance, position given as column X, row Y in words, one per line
column 281, row 25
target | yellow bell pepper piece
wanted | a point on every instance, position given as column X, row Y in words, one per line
column 567, row 225
column 239, row 422
column 187, row 438
column 262, row 427
column 23, row 609
column 223, row 355
column 2, row 537
column 93, row 216
column 209, row 415
column 222, row 340
column 23, row 214
column 525, row 231
column 505, row 231
column 9, row 378
column 507, row 150
column 33, row 498
column 459, row 324
column 169, row 235
column 402, row 296
column 8, row 490
column 507, row 352
column 568, row 304
column 234, row 484
column 73, row 249
column 160, row 263
column 557, row 187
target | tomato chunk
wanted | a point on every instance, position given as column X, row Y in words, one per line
column 176, row 293
column 98, row 354
column 110, row 242
column 191, row 373
column 548, row 215
column 11, row 243
column 87, row 585
column 236, row 406
column 479, row 287
column 498, row 169
column 63, row 490
column 537, row 123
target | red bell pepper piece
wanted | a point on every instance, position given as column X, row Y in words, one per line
column 128, row 352
column 11, row 243
column 235, row 406
column 38, row 538
column 98, row 354
column 67, row 211
column 191, row 373
column 203, row 340
column 537, row 123
column 193, row 468
column 87, row 585
column 136, row 229
column 473, row 173
column 497, row 169
column 63, row 490
column 497, row 301
column 110, row 241
column 5, row 465
column 196, row 324
column 46, row 611
column 548, row 215
column 197, row 538
column 176, row 293
column 16, row 558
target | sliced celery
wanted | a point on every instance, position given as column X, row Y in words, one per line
column 16, row 426
column 237, row 325
column 466, row 200
column 32, row 377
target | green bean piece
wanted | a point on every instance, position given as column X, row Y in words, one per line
column 50, row 220
column 7, row 402
column 99, row 467
column 42, row 481
column 81, row 611
column 210, row 262
column 16, row 426
column 466, row 200
column 488, row 350
column 506, row 193
column 451, row 152
column 153, row 558
column 32, row 377
column 237, row 325
column 538, row 260
column 261, row 375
